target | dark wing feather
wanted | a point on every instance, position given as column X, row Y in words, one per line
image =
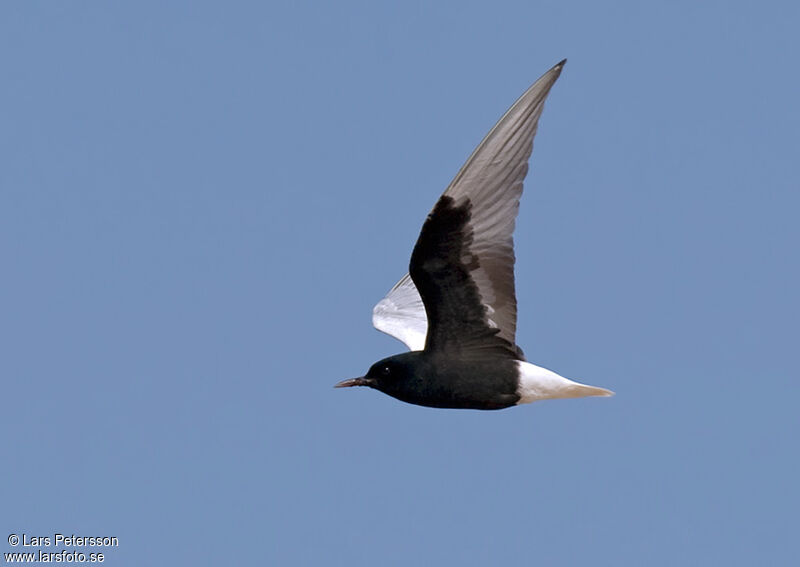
column 463, row 262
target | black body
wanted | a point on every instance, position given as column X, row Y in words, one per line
column 442, row 381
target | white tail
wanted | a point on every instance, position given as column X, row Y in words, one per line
column 537, row 383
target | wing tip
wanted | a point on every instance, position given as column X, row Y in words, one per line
column 556, row 69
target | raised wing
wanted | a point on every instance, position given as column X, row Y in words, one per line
column 463, row 262
column 401, row 314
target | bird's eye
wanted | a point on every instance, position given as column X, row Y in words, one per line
column 385, row 371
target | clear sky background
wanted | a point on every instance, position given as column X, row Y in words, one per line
column 200, row 202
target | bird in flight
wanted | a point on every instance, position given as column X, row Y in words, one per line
column 456, row 309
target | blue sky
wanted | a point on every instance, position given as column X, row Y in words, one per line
column 201, row 202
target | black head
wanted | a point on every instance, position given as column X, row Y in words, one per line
column 391, row 375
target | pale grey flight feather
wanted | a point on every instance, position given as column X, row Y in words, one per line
column 401, row 314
